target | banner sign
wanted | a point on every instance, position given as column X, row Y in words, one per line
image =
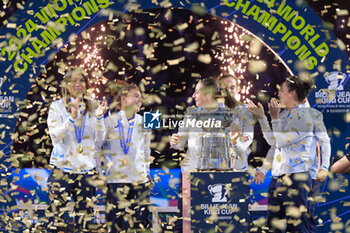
column 219, row 201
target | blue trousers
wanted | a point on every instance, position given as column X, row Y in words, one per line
column 314, row 192
column 62, row 188
column 286, row 193
column 127, row 207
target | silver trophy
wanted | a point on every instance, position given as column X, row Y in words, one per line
column 215, row 138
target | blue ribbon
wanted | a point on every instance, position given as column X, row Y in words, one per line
column 79, row 131
column 125, row 145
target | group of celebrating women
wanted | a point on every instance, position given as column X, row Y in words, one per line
column 297, row 130
column 83, row 134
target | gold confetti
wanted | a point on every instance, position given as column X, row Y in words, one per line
column 11, row 25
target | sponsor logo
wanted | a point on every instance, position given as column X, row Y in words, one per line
column 151, row 120
column 219, row 192
column 335, row 98
column 219, row 202
column 335, row 80
column 155, row 120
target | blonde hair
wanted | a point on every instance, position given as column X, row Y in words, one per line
column 124, row 90
column 121, row 88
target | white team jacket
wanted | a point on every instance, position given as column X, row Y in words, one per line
column 304, row 129
column 65, row 153
column 133, row 166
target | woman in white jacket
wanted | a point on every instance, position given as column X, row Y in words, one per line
column 207, row 95
column 246, row 122
column 127, row 158
column 293, row 137
column 76, row 129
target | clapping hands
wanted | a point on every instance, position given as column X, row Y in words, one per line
column 258, row 111
column 255, row 110
column 75, row 108
column 102, row 108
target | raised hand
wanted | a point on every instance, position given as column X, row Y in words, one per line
column 258, row 177
column 257, row 111
column 75, row 108
column 235, row 133
column 274, row 109
column 102, row 108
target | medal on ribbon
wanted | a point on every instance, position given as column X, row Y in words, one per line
column 79, row 133
column 125, row 144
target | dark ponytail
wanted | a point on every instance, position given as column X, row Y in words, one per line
column 301, row 88
column 230, row 102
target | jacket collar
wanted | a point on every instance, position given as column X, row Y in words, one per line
column 121, row 115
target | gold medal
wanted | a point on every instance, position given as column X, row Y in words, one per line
column 80, row 149
column 279, row 157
